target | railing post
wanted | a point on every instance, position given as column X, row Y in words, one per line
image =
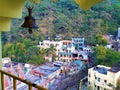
column 14, row 84
column 30, row 87
column 2, row 79
column 0, row 59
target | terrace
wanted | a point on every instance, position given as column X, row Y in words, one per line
column 47, row 69
column 101, row 70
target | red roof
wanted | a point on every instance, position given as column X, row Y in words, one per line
column 37, row 73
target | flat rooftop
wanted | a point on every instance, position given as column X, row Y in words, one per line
column 104, row 70
column 47, row 69
column 114, row 69
column 101, row 70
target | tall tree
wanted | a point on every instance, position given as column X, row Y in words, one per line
column 20, row 51
column 8, row 50
column 108, row 57
column 112, row 57
column 50, row 52
column 100, row 54
column 35, row 55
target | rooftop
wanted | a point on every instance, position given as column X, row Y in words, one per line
column 104, row 70
column 114, row 69
column 47, row 69
column 101, row 70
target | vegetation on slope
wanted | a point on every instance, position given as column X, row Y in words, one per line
column 62, row 18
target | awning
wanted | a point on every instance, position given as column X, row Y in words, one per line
column 9, row 9
column 5, row 23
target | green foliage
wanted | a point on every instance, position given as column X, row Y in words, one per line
column 112, row 57
column 15, row 51
column 90, row 88
column 37, row 60
column 20, row 49
column 8, row 50
column 100, row 55
column 35, row 56
column 51, row 52
column 118, row 84
column 64, row 18
column 97, row 40
column 100, row 40
column 67, row 19
column 105, row 56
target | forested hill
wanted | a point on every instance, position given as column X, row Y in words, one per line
column 65, row 18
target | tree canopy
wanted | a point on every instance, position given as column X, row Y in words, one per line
column 107, row 57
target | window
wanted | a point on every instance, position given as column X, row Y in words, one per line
column 98, row 88
column 80, row 44
column 89, row 75
column 95, row 76
column 75, row 55
column 98, row 79
column 89, row 83
column 105, row 81
column 69, row 50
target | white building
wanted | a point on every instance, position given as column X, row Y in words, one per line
column 60, row 46
column 66, row 48
column 79, row 55
column 6, row 60
column 47, row 43
column 103, row 78
column 118, row 36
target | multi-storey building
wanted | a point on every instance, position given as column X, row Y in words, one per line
column 67, row 50
column 74, row 50
column 79, row 55
column 103, row 78
column 78, row 43
column 47, row 43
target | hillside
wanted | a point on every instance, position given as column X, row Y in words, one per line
column 66, row 19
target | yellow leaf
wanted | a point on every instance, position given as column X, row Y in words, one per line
column 5, row 24
column 87, row 4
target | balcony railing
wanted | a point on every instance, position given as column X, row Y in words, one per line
column 15, row 79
